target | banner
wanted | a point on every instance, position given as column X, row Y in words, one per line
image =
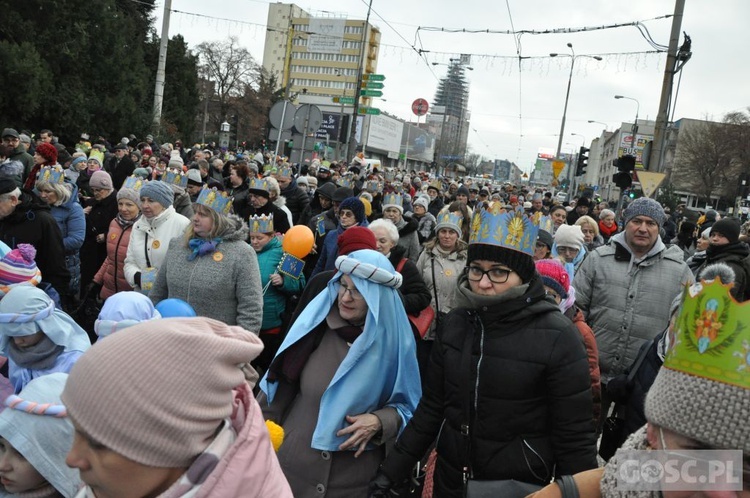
column 326, row 35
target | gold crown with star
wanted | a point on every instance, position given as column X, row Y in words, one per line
column 51, row 175
column 217, row 200
column 510, row 229
column 174, row 177
column 261, row 223
column 134, row 182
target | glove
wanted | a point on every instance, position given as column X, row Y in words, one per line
column 137, row 279
column 380, row 486
column 94, row 289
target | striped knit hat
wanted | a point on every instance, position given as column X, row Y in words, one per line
column 18, row 266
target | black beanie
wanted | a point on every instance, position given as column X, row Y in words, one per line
column 519, row 262
column 355, row 206
column 729, row 228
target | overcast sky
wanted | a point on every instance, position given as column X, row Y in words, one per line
column 714, row 81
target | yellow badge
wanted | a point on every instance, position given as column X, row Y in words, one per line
column 218, row 256
column 448, row 273
column 113, row 236
column 156, row 244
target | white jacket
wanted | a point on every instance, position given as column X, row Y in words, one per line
column 152, row 236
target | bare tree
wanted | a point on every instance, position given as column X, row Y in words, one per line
column 706, row 162
column 232, row 70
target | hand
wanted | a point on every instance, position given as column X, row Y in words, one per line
column 380, row 487
column 363, row 428
column 276, row 280
column 87, row 210
column 100, row 238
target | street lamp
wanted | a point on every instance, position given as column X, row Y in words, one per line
column 599, row 122
column 579, row 135
column 633, row 140
column 573, row 57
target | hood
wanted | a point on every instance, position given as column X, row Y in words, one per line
column 30, row 202
column 237, row 229
column 737, row 250
column 73, row 195
column 11, row 167
column 290, row 188
column 279, row 202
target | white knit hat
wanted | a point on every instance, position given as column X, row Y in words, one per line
column 569, row 236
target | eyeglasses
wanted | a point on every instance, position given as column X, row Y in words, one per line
column 496, row 275
column 353, row 292
column 568, row 250
column 540, row 245
column 346, row 214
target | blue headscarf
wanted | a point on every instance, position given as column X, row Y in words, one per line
column 123, row 310
column 26, row 309
column 380, row 368
column 570, row 267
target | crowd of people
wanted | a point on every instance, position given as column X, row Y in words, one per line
column 444, row 337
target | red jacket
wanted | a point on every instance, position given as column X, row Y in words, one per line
column 592, row 352
column 111, row 275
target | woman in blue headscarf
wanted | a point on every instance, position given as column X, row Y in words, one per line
column 345, row 380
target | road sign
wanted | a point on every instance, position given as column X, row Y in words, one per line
column 371, row 93
column 420, row 107
column 344, row 100
column 369, row 110
column 277, row 111
column 373, row 77
column 557, row 167
column 307, row 118
column 650, row 180
column 372, row 84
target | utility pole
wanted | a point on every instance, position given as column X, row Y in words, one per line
column 660, row 129
column 161, row 68
column 351, row 144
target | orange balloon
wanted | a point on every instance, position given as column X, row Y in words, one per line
column 298, row 241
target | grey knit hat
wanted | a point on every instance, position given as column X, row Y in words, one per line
column 703, row 389
column 645, row 206
column 159, row 192
column 129, row 194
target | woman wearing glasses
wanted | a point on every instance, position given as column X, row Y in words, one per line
column 569, row 248
column 345, row 380
column 508, row 392
column 351, row 213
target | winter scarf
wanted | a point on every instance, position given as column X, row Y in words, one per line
column 608, row 486
column 201, row 247
column 40, row 356
column 124, row 224
column 606, row 231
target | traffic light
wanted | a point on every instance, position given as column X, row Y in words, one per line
column 625, row 165
column 583, row 161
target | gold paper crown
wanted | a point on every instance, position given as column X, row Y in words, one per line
column 285, row 171
column 259, row 184
column 393, row 199
column 498, row 227
column 711, row 335
column 174, row 177
column 373, row 186
column 344, row 182
column 51, row 175
column 261, row 224
column 134, row 182
column 215, row 199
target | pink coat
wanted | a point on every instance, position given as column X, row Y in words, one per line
column 249, row 469
column 111, row 275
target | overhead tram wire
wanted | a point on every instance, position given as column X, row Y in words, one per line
column 517, row 40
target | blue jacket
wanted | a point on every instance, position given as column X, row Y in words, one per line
column 274, row 299
column 330, row 250
column 71, row 220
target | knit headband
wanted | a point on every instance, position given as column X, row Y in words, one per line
column 53, row 410
column 373, row 273
column 23, row 318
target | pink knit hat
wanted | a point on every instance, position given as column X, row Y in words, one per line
column 554, row 276
column 157, row 392
column 18, row 266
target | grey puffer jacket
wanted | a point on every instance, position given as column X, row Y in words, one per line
column 223, row 285
column 626, row 301
column 448, row 268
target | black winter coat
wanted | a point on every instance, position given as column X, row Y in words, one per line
column 321, row 225
column 296, row 200
column 121, row 171
column 413, row 290
column 31, row 222
column 94, row 253
column 435, row 206
column 737, row 257
column 280, row 220
column 529, row 389
column 314, row 208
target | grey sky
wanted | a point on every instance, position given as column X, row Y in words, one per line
column 714, row 82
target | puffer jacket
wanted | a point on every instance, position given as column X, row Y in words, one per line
column 408, row 238
column 274, row 300
column 149, row 242
column 296, row 200
column 71, row 221
column 111, row 275
column 627, row 303
column 529, row 394
column 448, row 267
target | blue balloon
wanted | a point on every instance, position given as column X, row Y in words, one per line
column 174, row 308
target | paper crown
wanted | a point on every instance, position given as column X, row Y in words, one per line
column 51, row 175
column 98, row 155
column 389, row 175
column 259, row 184
column 711, row 336
column 544, row 222
column 174, row 177
column 373, row 186
column 344, row 182
column 134, row 182
column 393, row 199
column 284, row 171
column 498, row 227
column 448, row 217
column 219, row 201
column 261, row 224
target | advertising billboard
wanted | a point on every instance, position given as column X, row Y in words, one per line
column 385, row 133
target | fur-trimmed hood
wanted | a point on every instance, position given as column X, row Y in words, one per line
column 238, row 229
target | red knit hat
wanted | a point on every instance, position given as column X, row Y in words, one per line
column 554, row 276
column 48, row 152
column 354, row 239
